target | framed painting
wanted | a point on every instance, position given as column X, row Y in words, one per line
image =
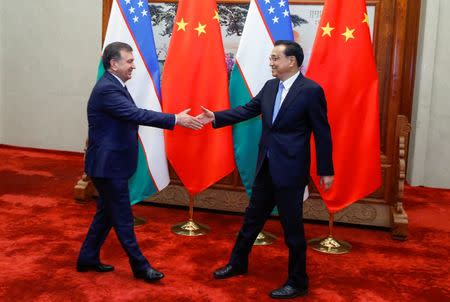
column 305, row 17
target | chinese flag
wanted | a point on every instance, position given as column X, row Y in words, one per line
column 342, row 62
column 195, row 74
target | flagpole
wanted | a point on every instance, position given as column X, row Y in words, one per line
column 190, row 227
column 191, row 207
column 330, row 245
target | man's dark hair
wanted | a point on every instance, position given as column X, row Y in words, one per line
column 112, row 52
column 292, row 49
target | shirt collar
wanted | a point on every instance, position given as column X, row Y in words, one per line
column 119, row 79
column 288, row 83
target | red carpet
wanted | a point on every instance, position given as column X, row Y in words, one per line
column 42, row 228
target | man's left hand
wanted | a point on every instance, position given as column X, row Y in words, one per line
column 326, row 181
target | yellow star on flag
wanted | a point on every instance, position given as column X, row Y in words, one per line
column 348, row 34
column 200, row 28
column 327, row 30
column 366, row 19
column 182, row 25
column 216, row 16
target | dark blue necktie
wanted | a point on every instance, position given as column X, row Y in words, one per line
column 277, row 105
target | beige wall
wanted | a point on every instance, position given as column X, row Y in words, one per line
column 429, row 157
column 2, row 26
column 51, row 50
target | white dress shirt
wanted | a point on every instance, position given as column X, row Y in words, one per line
column 287, row 85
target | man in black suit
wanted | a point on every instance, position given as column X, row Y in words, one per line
column 292, row 107
column 111, row 159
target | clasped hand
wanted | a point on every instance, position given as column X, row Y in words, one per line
column 188, row 121
column 197, row 122
column 206, row 117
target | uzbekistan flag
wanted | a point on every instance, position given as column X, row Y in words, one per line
column 267, row 21
column 130, row 23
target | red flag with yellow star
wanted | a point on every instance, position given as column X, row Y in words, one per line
column 342, row 62
column 195, row 74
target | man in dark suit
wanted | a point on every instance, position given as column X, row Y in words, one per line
column 111, row 159
column 291, row 108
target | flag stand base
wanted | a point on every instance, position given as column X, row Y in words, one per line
column 265, row 238
column 329, row 245
column 190, row 228
column 139, row 221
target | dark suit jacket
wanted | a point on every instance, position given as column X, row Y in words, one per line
column 288, row 139
column 113, row 129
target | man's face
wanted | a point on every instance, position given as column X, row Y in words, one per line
column 282, row 66
column 123, row 68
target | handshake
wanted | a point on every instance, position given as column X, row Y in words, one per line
column 196, row 123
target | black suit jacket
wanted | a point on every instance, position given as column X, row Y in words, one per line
column 287, row 139
column 113, row 129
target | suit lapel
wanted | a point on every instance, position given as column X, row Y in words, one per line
column 290, row 97
column 128, row 94
column 118, row 84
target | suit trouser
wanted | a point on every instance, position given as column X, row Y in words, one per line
column 113, row 211
column 289, row 203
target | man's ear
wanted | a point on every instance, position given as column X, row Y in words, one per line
column 292, row 61
column 113, row 65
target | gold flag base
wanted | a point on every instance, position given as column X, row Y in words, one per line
column 265, row 238
column 190, row 228
column 329, row 245
column 139, row 221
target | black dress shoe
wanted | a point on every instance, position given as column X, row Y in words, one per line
column 288, row 292
column 101, row 268
column 229, row 271
column 150, row 275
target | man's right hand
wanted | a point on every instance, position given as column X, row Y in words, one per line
column 206, row 117
column 188, row 121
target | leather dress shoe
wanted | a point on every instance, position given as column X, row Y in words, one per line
column 229, row 271
column 288, row 292
column 150, row 275
column 101, row 268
